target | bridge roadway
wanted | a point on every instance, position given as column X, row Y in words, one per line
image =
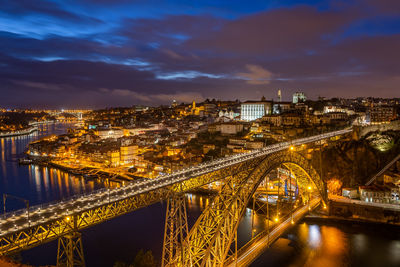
column 247, row 255
column 23, row 229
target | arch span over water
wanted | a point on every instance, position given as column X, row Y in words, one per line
column 209, row 240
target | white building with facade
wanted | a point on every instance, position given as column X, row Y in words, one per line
column 299, row 97
column 252, row 110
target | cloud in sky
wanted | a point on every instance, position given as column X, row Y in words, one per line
column 255, row 75
column 150, row 98
column 42, row 86
column 156, row 51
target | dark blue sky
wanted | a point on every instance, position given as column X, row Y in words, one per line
column 96, row 53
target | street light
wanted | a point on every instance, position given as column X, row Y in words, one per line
column 309, row 188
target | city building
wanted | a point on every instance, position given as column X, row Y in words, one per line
column 275, row 120
column 279, row 95
column 291, row 119
column 109, row 133
column 299, row 97
column 113, row 158
column 228, row 113
column 209, row 108
column 337, row 115
column 381, row 114
column 281, row 107
column 377, row 193
column 350, row 193
column 253, row 110
column 128, row 154
column 231, row 128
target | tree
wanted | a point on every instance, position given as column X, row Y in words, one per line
column 334, row 186
column 144, row 259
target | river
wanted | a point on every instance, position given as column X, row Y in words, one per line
column 307, row 244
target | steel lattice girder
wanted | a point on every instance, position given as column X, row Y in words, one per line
column 210, row 238
column 176, row 230
column 34, row 235
column 70, row 251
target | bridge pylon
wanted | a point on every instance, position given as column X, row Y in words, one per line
column 70, row 250
column 176, row 230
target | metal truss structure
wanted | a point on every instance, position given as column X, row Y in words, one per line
column 210, row 239
column 176, row 230
column 208, row 242
column 70, row 251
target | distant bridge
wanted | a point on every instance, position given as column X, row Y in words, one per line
column 209, row 241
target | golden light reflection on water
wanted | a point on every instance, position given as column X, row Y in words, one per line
column 328, row 246
column 3, row 158
column 201, row 203
column 13, row 146
column 37, row 179
column 359, row 243
column 394, row 250
column 67, row 182
column 303, row 232
column 191, row 201
column 53, row 182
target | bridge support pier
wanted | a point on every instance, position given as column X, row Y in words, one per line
column 176, row 230
column 70, row 250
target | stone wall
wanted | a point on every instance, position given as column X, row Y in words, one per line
column 368, row 213
column 361, row 131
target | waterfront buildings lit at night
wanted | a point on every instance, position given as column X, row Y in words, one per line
column 220, row 133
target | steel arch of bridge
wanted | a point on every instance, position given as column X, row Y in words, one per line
column 210, row 239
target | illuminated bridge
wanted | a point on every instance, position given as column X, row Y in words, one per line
column 208, row 243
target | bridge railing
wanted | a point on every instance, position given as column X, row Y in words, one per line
column 46, row 205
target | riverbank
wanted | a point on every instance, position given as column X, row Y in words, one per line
column 337, row 219
column 85, row 172
column 19, row 133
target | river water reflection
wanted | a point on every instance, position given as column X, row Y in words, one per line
column 308, row 244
